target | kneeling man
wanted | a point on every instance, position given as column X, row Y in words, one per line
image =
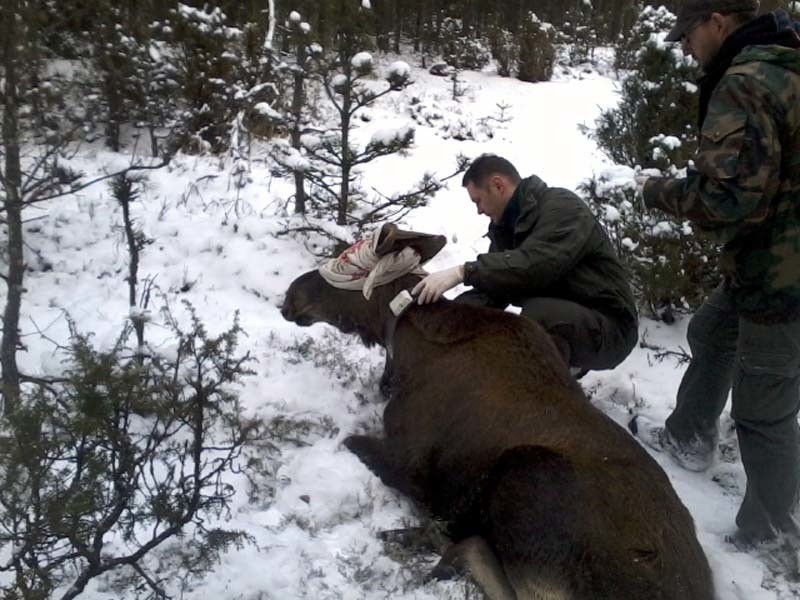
column 549, row 256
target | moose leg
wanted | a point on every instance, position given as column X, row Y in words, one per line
column 474, row 556
column 385, row 385
column 533, row 509
column 373, row 453
column 408, row 537
column 428, row 538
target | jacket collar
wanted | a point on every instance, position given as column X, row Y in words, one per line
column 511, row 213
column 771, row 29
column 522, row 208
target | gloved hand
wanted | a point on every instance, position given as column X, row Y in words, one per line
column 436, row 284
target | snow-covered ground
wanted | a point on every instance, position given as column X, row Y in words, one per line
column 317, row 512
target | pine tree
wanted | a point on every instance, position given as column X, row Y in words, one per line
column 207, row 59
column 580, row 31
column 328, row 158
column 537, row 51
column 298, row 66
column 672, row 268
column 505, row 50
column 657, row 98
column 462, row 47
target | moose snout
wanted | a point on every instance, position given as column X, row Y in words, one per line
column 298, row 317
column 286, row 312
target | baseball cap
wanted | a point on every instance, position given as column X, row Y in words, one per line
column 693, row 11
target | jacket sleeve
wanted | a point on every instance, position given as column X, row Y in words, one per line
column 555, row 244
column 738, row 163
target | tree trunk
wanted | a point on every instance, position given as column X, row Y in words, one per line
column 344, row 192
column 398, row 28
column 298, row 102
column 13, row 206
column 153, row 140
column 418, row 25
column 124, row 193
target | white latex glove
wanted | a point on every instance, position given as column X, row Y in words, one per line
column 436, row 284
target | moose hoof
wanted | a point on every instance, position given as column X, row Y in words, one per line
column 360, row 444
column 444, row 571
column 369, row 450
column 412, row 538
column 403, row 537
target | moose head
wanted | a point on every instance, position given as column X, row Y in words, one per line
column 341, row 292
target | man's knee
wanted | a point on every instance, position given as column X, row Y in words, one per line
column 563, row 347
column 700, row 333
column 477, row 298
column 713, row 326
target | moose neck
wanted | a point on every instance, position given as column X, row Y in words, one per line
column 385, row 319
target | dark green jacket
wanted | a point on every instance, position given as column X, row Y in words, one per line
column 745, row 192
column 554, row 248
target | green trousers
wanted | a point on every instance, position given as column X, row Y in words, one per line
column 761, row 365
column 586, row 338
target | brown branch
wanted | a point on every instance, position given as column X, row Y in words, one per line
column 157, row 590
column 164, row 162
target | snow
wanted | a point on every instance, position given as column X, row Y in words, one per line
column 154, row 53
column 310, row 141
column 294, row 160
column 266, row 110
column 612, row 214
column 399, row 69
column 339, row 81
column 386, row 137
column 667, row 141
column 361, row 60
column 316, row 532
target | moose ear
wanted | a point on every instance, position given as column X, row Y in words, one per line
column 394, row 239
column 386, row 239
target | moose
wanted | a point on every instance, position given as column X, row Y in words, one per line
column 543, row 496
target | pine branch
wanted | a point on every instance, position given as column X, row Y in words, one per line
column 83, row 186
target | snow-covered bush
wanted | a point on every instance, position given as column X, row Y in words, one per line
column 537, row 51
column 450, row 120
column 505, row 50
column 672, row 268
column 118, row 459
column 225, row 72
column 579, row 33
column 648, row 21
column 654, row 123
column 462, row 48
column 653, row 126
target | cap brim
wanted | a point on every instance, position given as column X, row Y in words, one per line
column 676, row 33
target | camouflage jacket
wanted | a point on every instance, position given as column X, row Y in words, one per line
column 552, row 246
column 745, row 189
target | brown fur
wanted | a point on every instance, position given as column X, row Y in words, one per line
column 489, row 431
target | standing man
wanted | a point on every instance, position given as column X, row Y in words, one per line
column 549, row 256
column 745, row 194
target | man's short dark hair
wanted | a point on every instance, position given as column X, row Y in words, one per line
column 487, row 165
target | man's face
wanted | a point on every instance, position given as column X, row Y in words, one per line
column 703, row 40
column 491, row 198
